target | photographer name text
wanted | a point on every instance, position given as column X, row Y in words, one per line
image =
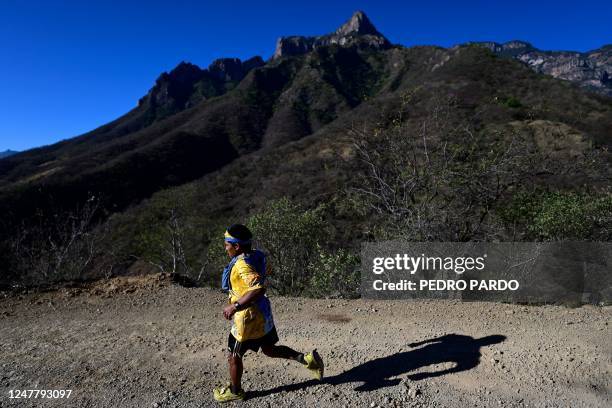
column 413, row 264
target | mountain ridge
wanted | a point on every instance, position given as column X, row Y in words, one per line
column 188, row 85
column 590, row 69
column 194, row 121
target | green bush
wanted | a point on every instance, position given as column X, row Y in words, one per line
column 334, row 274
column 508, row 101
column 295, row 239
column 572, row 216
column 561, row 215
column 512, row 102
column 289, row 235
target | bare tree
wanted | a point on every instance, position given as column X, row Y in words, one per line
column 171, row 256
column 57, row 248
column 438, row 179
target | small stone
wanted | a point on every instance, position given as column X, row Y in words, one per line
column 413, row 393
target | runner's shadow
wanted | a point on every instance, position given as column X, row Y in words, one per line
column 463, row 351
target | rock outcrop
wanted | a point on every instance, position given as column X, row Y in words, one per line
column 232, row 69
column 188, row 84
column 358, row 31
column 591, row 70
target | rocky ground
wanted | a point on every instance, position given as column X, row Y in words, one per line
column 145, row 342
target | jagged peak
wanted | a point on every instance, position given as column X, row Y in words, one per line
column 223, row 68
column 517, row 44
column 233, row 69
column 184, row 71
column 358, row 24
column 510, row 48
column 357, row 30
column 183, row 68
column 225, row 61
column 508, row 44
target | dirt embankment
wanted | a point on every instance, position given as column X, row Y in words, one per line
column 145, row 342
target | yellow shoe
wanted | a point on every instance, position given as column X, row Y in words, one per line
column 225, row 394
column 314, row 363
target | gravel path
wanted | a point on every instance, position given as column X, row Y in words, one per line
column 143, row 342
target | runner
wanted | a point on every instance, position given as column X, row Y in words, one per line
column 253, row 326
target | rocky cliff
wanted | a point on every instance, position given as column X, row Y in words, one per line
column 358, row 30
column 188, row 84
column 592, row 69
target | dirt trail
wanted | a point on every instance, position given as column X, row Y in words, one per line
column 149, row 343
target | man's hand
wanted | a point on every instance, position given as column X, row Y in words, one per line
column 228, row 311
column 245, row 301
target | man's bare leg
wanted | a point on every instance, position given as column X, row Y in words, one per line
column 235, row 368
column 283, row 352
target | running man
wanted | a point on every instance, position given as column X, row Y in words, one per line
column 253, row 327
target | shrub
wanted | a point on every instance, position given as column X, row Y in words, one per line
column 512, row 102
column 290, row 236
column 554, row 216
column 573, row 216
column 295, row 241
column 334, row 274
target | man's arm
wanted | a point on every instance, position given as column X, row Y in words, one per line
column 437, row 339
column 245, row 301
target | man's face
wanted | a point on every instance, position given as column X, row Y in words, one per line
column 230, row 249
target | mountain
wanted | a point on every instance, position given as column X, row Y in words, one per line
column 7, row 153
column 194, row 121
column 225, row 140
column 357, row 31
column 592, row 70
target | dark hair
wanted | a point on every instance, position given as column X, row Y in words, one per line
column 240, row 231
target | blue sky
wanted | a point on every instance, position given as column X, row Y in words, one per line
column 70, row 66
